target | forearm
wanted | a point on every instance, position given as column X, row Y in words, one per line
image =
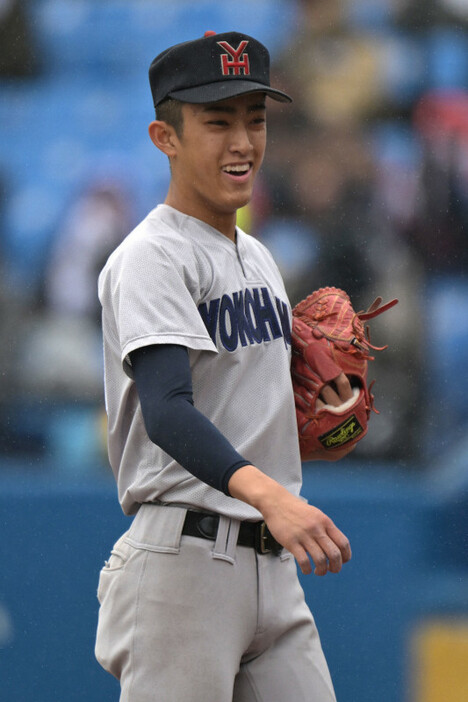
column 257, row 489
column 163, row 380
column 192, row 440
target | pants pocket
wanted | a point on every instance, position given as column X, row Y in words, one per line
column 117, row 595
column 117, row 560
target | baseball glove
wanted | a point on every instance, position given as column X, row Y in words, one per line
column 328, row 338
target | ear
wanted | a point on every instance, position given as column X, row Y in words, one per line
column 164, row 137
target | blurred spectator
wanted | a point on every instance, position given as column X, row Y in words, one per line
column 92, row 229
column 333, row 194
column 57, row 410
column 456, row 9
column 419, row 15
column 62, row 353
column 18, row 45
column 439, row 228
column 329, row 200
column 336, row 67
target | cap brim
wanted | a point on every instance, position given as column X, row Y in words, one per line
column 223, row 90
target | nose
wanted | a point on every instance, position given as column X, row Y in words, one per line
column 240, row 139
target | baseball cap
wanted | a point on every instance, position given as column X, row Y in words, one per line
column 212, row 68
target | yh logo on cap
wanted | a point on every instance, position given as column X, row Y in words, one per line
column 233, row 60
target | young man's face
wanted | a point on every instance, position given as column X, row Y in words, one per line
column 218, row 155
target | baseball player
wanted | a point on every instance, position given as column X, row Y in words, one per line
column 200, row 600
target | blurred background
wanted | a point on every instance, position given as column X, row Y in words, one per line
column 365, row 186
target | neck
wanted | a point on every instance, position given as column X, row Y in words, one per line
column 225, row 223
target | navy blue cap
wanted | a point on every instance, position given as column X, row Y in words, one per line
column 212, row 68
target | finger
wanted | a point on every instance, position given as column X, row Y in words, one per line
column 341, row 541
column 343, row 387
column 321, row 568
column 329, row 396
column 318, row 556
column 333, row 554
column 300, row 554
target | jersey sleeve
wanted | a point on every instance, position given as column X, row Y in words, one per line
column 154, row 295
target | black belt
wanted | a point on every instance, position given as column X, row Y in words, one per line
column 256, row 535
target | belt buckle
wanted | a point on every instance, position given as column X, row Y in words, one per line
column 262, row 538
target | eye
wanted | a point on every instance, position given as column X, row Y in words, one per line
column 258, row 121
column 218, row 122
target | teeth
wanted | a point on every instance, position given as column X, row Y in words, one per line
column 237, row 168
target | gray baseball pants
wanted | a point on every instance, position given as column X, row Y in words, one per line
column 184, row 619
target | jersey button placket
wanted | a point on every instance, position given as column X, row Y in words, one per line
column 240, row 258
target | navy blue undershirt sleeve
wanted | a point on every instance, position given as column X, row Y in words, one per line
column 164, row 384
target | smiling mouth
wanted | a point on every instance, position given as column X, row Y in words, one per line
column 237, row 170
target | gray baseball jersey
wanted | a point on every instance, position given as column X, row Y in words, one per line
column 176, row 280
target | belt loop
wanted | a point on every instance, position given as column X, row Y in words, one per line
column 226, row 539
column 232, row 538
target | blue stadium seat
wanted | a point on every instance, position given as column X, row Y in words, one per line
column 60, row 136
column 402, row 66
column 369, row 14
column 447, row 59
column 100, row 35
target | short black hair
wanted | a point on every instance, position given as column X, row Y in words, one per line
column 170, row 111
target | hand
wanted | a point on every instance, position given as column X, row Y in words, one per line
column 301, row 528
column 306, row 531
column 335, row 394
